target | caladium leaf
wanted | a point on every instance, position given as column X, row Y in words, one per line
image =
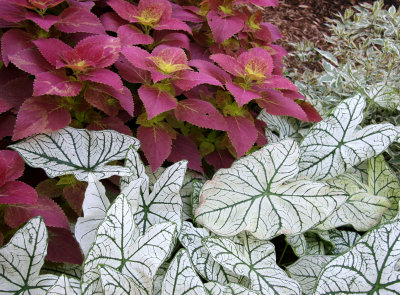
column 362, row 210
column 371, row 266
column 22, row 258
column 256, row 261
column 77, row 151
column 342, row 240
column 181, row 278
column 308, row 243
column 114, row 282
column 65, row 286
column 214, row 288
column 335, row 144
column 191, row 238
column 159, row 278
column 255, row 195
column 306, row 271
column 118, row 244
column 188, row 186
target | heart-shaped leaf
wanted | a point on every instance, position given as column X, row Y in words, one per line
column 114, row 282
column 255, row 195
column 77, row 151
column 65, row 286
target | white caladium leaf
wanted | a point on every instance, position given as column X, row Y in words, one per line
column 77, row 152
column 114, row 282
column 308, row 243
column 181, row 278
column 362, row 210
column 371, row 266
column 195, row 197
column 187, row 190
column 342, row 240
column 383, row 182
column 214, row 288
column 255, row 195
column 256, row 261
column 335, row 144
column 285, row 127
column 137, row 170
column 22, row 258
column 191, row 238
column 306, row 271
column 159, row 278
column 65, row 286
column 385, row 96
column 118, row 244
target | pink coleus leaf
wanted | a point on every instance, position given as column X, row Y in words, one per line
column 131, row 35
column 4, row 105
column 37, row 4
column 228, row 63
column 12, row 95
column 168, row 60
column 13, row 41
column 10, row 12
column 210, row 69
column 156, row 145
column 55, row 83
column 278, row 82
column 51, row 49
column 223, row 28
column 11, row 164
column 30, row 60
column 7, row 122
column 220, row 159
column 112, row 123
column 200, row 113
column 173, row 24
column 45, row 21
column 265, row 3
column 187, row 13
column 51, row 212
column 242, row 96
column 111, row 21
column 76, row 19
column 311, row 112
column 63, row 247
column 261, row 139
column 17, row 192
column 189, row 79
column 257, row 63
column 172, row 39
column 242, row 133
column 74, row 194
column 40, row 114
column 183, row 148
column 124, row 9
column 131, row 73
column 136, row 56
column 156, row 101
column 101, row 100
column 103, row 76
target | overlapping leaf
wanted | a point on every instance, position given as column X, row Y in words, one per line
column 342, row 240
column 114, row 282
column 337, row 143
column 255, row 195
column 256, row 261
column 308, row 243
column 65, row 286
column 370, row 267
column 214, row 288
column 77, row 151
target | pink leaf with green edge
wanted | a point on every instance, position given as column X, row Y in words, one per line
column 11, row 164
column 56, row 83
column 220, row 159
column 40, row 114
column 7, row 122
column 111, row 21
column 13, row 41
column 242, row 96
column 17, row 192
column 77, row 20
column 242, row 133
column 275, row 103
column 200, row 113
column 189, row 79
column 51, row 212
column 101, row 100
column 52, row 49
column 211, row 70
column 131, row 73
column 183, row 148
column 45, row 21
column 74, row 194
column 311, row 112
column 63, row 247
column 172, row 39
column 136, row 56
column 278, row 82
column 228, row 63
column 156, row 101
column 224, row 28
column 112, row 123
column 174, row 25
column 156, row 145
column 124, row 9
column 31, row 61
column 131, row 35
column 103, row 76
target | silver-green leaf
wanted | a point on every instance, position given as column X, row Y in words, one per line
column 65, row 286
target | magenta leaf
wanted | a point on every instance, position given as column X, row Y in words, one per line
column 183, row 148
column 13, row 41
column 223, row 28
column 40, row 114
column 111, row 21
column 45, row 21
column 200, row 113
column 56, row 83
column 12, row 165
column 4, row 105
column 103, row 76
column 156, row 145
column 228, row 63
column 242, row 96
column 10, row 12
column 112, row 123
column 30, row 61
column 261, row 139
column 124, row 9
column 76, row 19
column 187, row 13
column 242, row 133
column 210, row 69
column 311, row 112
column 7, row 122
column 136, row 56
column 63, row 247
column 51, row 49
column 172, row 39
column 131, row 73
column 17, row 192
column 74, row 194
column 101, row 100
column 278, row 82
column 130, row 35
column 156, row 101
column 173, row 24
column 51, row 212
column 220, row 159
column 189, row 79
column 12, row 95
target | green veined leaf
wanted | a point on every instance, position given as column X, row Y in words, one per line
column 181, row 278
column 77, row 151
column 255, row 195
column 214, row 288
column 370, row 267
column 256, row 261
column 342, row 240
column 119, row 244
column 306, row 271
column 22, row 258
column 329, row 56
column 159, row 278
column 191, row 238
column 114, row 282
column 308, row 243
column 187, row 191
column 335, row 144
column 65, row 286
column 362, row 210
column 385, row 96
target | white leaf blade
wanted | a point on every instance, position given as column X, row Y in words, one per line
column 65, row 286
column 214, row 288
column 115, row 282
